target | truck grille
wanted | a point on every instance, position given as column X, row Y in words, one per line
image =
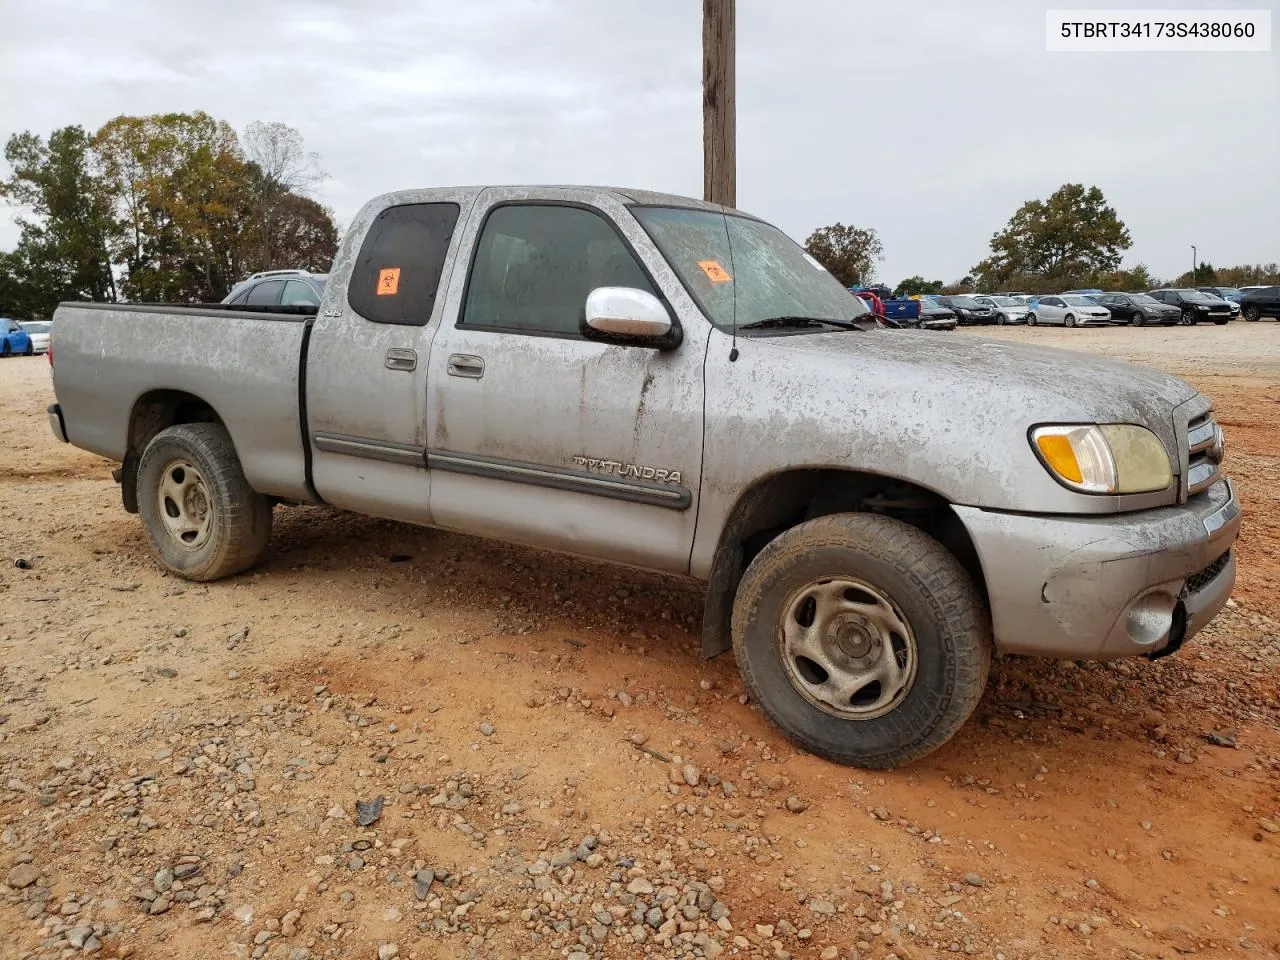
column 1199, row 581
column 1204, row 448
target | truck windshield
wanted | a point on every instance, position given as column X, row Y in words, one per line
column 722, row 258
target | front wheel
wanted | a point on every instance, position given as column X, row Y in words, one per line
column 5, row 349
column 862, row 639
column 1188, row 318
column 1031, row 319
column 1070, row 321
column 1000, row 320
column 203, row 519
column 1138, row 320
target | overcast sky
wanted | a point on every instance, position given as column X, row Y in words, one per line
column 930, row 121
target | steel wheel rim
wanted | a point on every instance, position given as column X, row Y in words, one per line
column 185, row 505
column 846, row 648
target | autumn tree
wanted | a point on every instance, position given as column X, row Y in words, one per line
column 1055, row 244
column 63, row 250
column 282, row 174
column 917, row 286
column 850, row 254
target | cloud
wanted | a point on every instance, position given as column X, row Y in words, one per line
column 929, row 121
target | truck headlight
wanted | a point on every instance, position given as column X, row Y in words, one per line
column 1108, row 458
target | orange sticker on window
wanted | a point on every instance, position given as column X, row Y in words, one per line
column 715, row 273
column 388, row 281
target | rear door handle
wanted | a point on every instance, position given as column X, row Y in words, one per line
column 402, row 358
column 466, row 365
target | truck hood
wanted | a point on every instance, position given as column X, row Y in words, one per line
column 1041, row 382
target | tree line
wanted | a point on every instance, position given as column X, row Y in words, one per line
column 172, row 207
column 1073, row 240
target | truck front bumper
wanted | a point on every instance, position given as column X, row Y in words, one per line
column 1107, row 587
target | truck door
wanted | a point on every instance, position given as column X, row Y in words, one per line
column 539, row 435
column 366, row 366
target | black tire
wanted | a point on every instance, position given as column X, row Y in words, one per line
column 1070, row 321
column 1000, row 320
column 5, row 349
column 238, row 518
column 1138, row 320
column 1188, row 318
column 1252, row 314
column 29, row 351
column 1031, row 319
column 935, row 597
column 1221, row 323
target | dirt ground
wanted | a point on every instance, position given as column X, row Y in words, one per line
column 562, row 776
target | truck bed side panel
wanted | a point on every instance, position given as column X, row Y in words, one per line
column 244, row 365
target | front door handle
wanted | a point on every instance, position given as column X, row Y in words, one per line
column 402, row 358
column 465, row 365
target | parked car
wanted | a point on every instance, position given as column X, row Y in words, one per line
column 1068, row 310
column 1231, row 305
column 1259, row 302
column 968, row 310
column 1194, row 306
column 1138, row 309
column 873, row 514
column 922, row 314
column 279, row 288
column 1230, row 294
column 38, row 331
column 1007, row 309
column 15, row 340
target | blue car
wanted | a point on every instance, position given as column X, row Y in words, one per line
column 15, row 339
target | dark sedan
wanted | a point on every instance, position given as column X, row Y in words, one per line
column 968, row 310
column 1137, row 309
column 1194, row 306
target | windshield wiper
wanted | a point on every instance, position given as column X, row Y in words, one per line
column 797, row 322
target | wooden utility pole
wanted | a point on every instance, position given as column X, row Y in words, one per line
column 719, row 128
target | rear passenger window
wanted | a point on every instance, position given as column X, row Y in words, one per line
column 397, row 272
column 535, row 264
column 265, row 294
column 299, row 293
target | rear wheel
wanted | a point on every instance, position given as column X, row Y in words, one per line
column 1070, row 321
column 862, row 639
column 1251, row 314
column 203, row 519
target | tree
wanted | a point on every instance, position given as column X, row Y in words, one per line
column 1055, row 244
column 1136, row 280
column 282, row 169
column 916, row 286
column 306, row 236
column 1205, row 276
column 64, row 252
column 184, row 194
column 850, row 254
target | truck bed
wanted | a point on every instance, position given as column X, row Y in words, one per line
column 109, row 357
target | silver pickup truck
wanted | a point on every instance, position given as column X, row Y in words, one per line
column 663, row 383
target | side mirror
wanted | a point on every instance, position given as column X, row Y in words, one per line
column 629, row 317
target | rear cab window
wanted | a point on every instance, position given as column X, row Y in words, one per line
column 397, row 273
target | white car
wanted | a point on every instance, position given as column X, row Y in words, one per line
column 1008, row 309
column 38, row 331
column 1068, row 310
